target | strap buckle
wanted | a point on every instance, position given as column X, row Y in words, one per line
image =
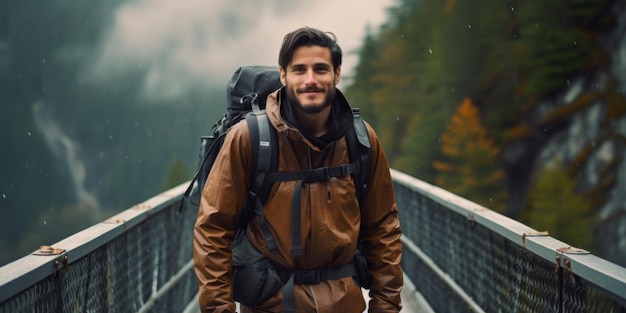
column 307, row 277
column 318, row 174
column 325, row 173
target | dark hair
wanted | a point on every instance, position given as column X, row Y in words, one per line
column 307, row 36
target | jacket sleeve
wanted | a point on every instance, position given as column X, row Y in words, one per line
column 382, row 233
column 223, row 197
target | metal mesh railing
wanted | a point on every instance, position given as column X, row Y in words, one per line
column 465, row 258
column 145, row 268
column 459, row 256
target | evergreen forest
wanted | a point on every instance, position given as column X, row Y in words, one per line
column 456, row 87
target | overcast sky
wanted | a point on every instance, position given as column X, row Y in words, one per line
column 181, row 43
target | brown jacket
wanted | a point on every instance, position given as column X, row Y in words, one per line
column 330, row 222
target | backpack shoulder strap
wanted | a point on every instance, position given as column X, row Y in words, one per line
column 359, row 147
column 264, row 151
column 265, row 161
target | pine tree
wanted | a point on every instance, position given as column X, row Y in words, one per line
column 558, row 44
column 554, row 206
column 468, row 165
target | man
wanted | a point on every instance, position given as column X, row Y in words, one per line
column 311, row 118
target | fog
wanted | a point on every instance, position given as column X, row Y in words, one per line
column 190, row 44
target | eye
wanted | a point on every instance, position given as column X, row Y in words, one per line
column 298, row 69
column 322, row 68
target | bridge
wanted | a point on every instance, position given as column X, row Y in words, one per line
column 457, row 257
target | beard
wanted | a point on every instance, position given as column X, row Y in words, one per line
column 313, row 108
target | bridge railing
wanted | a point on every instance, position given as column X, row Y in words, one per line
column 136, row 261
column 458, row 256
column 463, row 257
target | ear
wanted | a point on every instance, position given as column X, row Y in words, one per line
column 283, row 78
column 337, row 75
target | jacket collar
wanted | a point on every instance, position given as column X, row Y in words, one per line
column 339, row 121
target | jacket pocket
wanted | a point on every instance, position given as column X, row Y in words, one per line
column 254, row 278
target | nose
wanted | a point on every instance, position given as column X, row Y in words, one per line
column 310, row 77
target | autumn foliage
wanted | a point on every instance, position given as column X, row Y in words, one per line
column 468, row 164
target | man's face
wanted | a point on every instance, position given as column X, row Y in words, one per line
column 310, row 79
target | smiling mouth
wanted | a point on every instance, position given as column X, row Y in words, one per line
column 311, row 90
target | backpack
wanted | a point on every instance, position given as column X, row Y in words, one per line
column 247, row 91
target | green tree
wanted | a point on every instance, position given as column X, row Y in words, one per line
column 558, row 42
column 359, row 91
column 176, row 174
column 468, row 165
column 556, row 207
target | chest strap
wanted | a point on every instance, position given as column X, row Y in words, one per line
column 318, row 174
